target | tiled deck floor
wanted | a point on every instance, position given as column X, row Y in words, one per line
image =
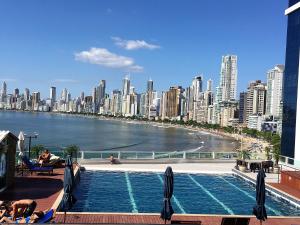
column 42, row 188
column 154, row 219
column 286, row 189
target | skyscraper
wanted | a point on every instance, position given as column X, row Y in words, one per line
column 101, row 92
column 209, row 85
column 3, row 92
column 64, row 94
column 274, row 90
column 290, row 146
column 126, row 86
column 16, row 92
column 197, row 90
column 26, row 94
column 173, row 102
column 256, row 99
column 53, row 94
column 228, row 77
column 150, row 85
column 36, row 97
column 243, row 107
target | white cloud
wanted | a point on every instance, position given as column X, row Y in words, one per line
column 103, row 57
column 62, row 80
column 133, row 44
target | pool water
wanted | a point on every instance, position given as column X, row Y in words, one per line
column 193, row 194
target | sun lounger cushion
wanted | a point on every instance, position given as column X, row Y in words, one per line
column 47, row 217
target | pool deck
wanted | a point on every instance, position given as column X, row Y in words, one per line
column 127, row 218
column 222, row 167
column 47, row 191
column 44, row 189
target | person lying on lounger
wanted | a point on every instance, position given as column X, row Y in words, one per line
column 21, row 208
column 29, row 219
column 44, row 157
column 5, row 209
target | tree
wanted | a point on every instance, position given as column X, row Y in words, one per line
column 36, row 149
column 276, row 148
column 267, row 151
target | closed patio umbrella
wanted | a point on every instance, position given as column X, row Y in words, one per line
column 259, row 209
column 167, row 210
column 21, row 143
column 69, row 175
column 68, row 199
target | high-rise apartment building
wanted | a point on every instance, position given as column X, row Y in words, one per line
column 242, row 107
column 209, row 85
column 16, row 92
column 173, row 102
column 116, row 103
column 101, row 93
column 3, row 92
column 149, row 85
column 126, row 86
column 228, row 77
column 64, row 94
column 36, row 98
column 196, row 87
column 26, row 94
column 290, row 146
column 274, row 90
column 256, row 99
column 52, row 94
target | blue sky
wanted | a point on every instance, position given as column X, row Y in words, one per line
column 76, row 43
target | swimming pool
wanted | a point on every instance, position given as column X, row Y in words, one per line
column 193, row 194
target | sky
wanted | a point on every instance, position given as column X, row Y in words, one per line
column 76, row 43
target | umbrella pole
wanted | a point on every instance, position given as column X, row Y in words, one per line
column 260, row 222
column 65, row 217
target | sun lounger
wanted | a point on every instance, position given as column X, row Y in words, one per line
column 47, row 217
column 38, row 169
column 235, row 221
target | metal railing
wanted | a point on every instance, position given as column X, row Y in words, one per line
column 147, row 155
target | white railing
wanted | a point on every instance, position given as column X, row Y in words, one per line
column 291, row 162
column 147, row 155
column 142, row 155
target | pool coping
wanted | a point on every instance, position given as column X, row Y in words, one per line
column 116, row 169
column 158, row 214
column 278, row 193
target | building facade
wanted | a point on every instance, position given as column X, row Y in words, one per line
column 228, row 81
column 291, row 105
column 274, row 90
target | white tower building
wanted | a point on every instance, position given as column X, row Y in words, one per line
column 228, row 81
column 274, row 90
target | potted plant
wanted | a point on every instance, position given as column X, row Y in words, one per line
column 243, row 155
column 276, row 152
column 276, row 155
column 72, row 150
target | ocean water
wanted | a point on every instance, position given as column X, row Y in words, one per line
column 92, row 134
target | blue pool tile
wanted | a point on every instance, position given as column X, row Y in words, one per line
column 197, row 194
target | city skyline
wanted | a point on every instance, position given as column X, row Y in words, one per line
column 65, row 57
